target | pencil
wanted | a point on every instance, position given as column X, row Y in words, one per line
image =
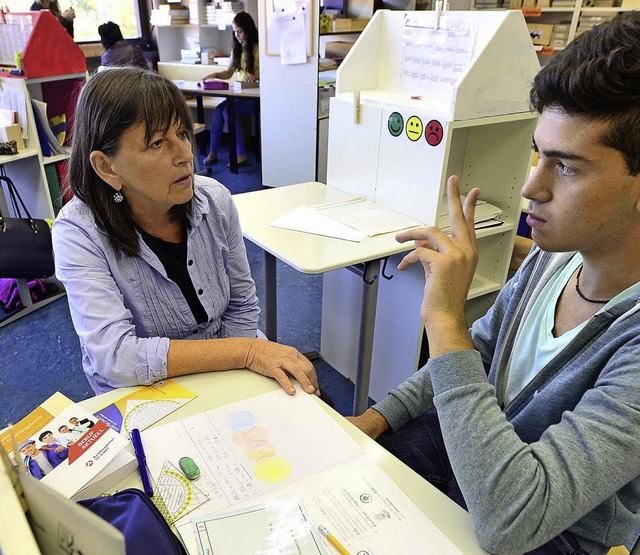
column 332, row 540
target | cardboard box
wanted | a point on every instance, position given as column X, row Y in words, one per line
column 12, row 133
column 543, row 4
column 346, row 24
column 540, row 33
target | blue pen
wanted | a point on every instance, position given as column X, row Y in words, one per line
column 142, row 461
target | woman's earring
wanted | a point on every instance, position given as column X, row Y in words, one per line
column 117, row 197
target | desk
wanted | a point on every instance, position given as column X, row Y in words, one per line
column 220, row 388
column 192, row 88
column 315, row 254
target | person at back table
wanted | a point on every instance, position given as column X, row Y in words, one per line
column 152, row 257
column 65, row 17
column 117, row 51
column 531, row 420
column 245, row 60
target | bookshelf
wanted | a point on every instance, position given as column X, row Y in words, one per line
column 53, row 76
column 555, row 23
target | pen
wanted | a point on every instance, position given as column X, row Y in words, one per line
column 332, row 540
column 142, row 461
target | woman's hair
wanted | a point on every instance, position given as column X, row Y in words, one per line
column 110, row 33
column 246, row 23
column 598, row 76
column 110, row 103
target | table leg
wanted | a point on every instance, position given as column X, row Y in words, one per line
column 270, row 296
column 365, row 341
column 231, row 122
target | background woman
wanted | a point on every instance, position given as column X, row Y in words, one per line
column 117, row 51
column 64, row 17
column 152, row 256
column 244, row 60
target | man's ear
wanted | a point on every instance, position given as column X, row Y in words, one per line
column 102, row 165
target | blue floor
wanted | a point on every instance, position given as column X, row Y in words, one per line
column 40, row 353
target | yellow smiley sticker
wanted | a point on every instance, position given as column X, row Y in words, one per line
column 414, row 128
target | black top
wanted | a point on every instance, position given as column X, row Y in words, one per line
column 66, row 23
column 173, row 257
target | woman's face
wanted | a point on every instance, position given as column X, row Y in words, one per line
column 153, row 177
column 239, row 33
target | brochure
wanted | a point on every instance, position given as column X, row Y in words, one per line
column 65, row 447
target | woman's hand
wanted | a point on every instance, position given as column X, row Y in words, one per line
column 280, row 362
column 210, row 76
column 69, row 14
column 249, row 78
column 370, row 422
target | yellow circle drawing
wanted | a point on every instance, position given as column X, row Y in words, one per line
column 135, row 411
column 188, row 495
column 272, row 469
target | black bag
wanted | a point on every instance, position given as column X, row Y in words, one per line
column 25, row 243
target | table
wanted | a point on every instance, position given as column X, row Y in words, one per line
column 195, row 89
column 315, row 254
column 219, row 388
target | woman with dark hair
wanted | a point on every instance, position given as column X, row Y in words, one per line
column 245, row 59
column 117, row 51
column 151, row 255
column 65, row 17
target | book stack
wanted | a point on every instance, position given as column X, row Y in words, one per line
column 170, row 14
column 488, row 4
column 563, row 3
column 587, row 21
column 560, row 36
column 49, row 142
column 221, row 14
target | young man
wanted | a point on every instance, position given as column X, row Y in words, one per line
column 537, row 408
column 35, row 462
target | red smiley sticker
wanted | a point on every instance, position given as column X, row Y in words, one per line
column 433, row 132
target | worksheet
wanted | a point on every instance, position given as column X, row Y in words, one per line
column 243, row 450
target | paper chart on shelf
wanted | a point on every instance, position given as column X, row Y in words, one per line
column 144, row 406
column 251, row 447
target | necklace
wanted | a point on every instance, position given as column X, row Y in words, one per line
column 594, row 301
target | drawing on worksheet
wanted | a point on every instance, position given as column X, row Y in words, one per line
column 179, row 494
column 251, row 447
column 254, row 441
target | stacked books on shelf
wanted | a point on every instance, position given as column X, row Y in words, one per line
column 51, row 132
column 69, row 449
column 170, row 14
column 488, row 4
column 587, row 21
column 220, row 13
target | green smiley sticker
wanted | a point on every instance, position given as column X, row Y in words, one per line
column 395, row 124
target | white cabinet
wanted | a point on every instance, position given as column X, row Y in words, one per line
column 476, row 124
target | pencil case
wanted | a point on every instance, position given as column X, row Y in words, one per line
column 215, row 85
column 145, row 530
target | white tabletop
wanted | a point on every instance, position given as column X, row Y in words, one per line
column 307, row 253
column 220, row 388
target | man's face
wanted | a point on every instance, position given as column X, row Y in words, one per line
column 48, row 438
column 581, row 196
column 73, row 421
column 29, row 449
column 64, row 429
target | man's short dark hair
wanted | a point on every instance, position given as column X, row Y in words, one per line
column 598, row 76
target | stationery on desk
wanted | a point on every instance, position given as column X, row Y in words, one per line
column 248, row 453
column 136, row 440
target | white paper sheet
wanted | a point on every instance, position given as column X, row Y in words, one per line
column 368, row 513
column 308, row 220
